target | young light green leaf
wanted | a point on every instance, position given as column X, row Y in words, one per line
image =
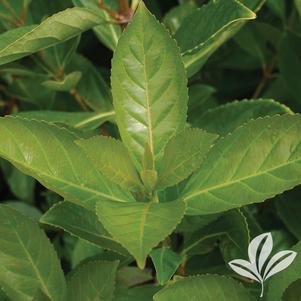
column 56, row 29
column 204, row 287
column 183, row 154
column 149, row 86
column 82, row 223
column 107, row 33
column 67, row 84
column 146, row 223
column 112, row 159
column 258, row 160
column 28, row 261
column 224, row 17
column 94, row 281
column 49, row 154
column 226, row 118
column 166, row 263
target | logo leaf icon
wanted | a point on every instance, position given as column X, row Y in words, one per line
column 259, row 251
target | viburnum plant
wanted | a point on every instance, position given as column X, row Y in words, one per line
column 159, row 202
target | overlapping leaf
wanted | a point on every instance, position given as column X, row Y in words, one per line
column 257, row 161
column 114, row 162
column 82, row 223
column 224, row 17
column 183, row 154
column 49, row 154
column 149, row 86
column 58, row 28
column 28, row 262
column 139, row 227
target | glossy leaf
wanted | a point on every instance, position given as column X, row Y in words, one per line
column 204, row 287
column 94, row 281
column 166, row 263
column 226, row 118
column 183, row 154
column 258, row 160
column 49, row 154
column 224, row 17
column 149, row 86
column 82, row 223
column 146, row 223
column 28, row 262
column 114, row 162
column 56, row 29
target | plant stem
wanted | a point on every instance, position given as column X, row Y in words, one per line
column 262, row 289
column 79, row 99
column 134, row 4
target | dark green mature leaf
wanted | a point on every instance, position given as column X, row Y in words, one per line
column 288, row 207
column 149, row 86
column 183, row 154
column 94, row 281
column 211, row 26
column 206, row 287
column 226, row 118
column 281, row 281
column 174, row 18
column 132, row 276
column 109, row 33
column 293, row 292
column 114, row 162
column 257, row 161
column 231, row 228
column 291, row 68
column 82, row 120
column 82, row 223
column 49, row 154
column 166, row 263
column 139, row 227
column 56, row 29
column 141, row 293
column 28, row 262
column 92, row 88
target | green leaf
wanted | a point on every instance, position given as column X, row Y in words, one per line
column 184, row 154
column 82, row 223
column 257, row 161
column 226, row 118
column 132, row 276
column 281, row 281
column 293, row 292
column 92, row 88
column 56, row 29
column 232, row 231
column 83, row 120
column 67, row 84
column 288, row 207
column 225, row 19
column 114, row 162
column 149, row 86
column 27, row 259
column 28, row 210
column 94, row 281
column 21, row 185
column 83, row 250
column 141, row 293
column 146, row 223
column 298, row 6
column 174, row 18
column 205, row 287
column 166, row 263
column 49, row 154
column 107, row 33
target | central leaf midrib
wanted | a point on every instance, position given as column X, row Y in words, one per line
column 189, row 196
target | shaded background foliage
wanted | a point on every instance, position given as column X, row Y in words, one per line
column 263, row 60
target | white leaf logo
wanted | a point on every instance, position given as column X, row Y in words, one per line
column 259, row 267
